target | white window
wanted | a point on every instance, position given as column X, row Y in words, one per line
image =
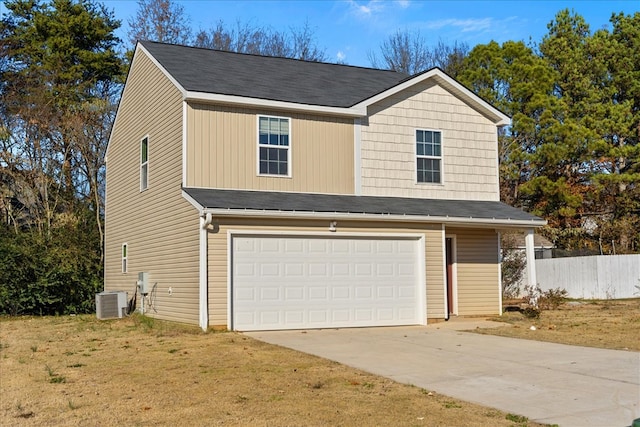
column 274, row 152
column 429, row 156
column 125, row 248
column 144, row 163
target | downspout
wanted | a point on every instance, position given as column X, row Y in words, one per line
column 205, row 221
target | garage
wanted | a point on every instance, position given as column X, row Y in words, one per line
column 318, row 281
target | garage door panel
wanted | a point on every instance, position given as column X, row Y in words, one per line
column 294, row 294
column 316, row 282
column 318, row 246
column 269, row 293
column 385, row 292
column 294, row 317
column 317, row 293
column 294, row 270
column 385, row 314
column 269, row 245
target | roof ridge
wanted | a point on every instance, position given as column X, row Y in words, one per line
column 284, row 58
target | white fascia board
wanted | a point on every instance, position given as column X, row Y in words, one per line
column 249, row 213
column 195, row 204
column 122, row 95
column 447, row 82
column 137, row 52
column 161, row 68
column 275, row 105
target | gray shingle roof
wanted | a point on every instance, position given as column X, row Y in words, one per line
column 241, row 200
column 270, row 78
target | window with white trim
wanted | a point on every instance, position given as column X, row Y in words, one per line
column 429, row 156
column 274, row 151
column 144, row 163
column 125, row 248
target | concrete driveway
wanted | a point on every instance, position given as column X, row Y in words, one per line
column 548, row 383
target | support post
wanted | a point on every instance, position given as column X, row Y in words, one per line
column 531, row 258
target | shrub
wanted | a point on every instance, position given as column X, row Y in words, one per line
column 46, row 274
column 538, row 300
column 513, row 265
column 551, row 299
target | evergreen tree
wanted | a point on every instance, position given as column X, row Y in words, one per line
column 60, row 77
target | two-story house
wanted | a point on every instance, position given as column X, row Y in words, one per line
column 271, row 193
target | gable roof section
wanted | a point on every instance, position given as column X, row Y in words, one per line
column 270, row 78
column 258, row 203
column 236, row 78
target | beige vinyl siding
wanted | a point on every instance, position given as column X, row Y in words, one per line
column 469, row 146
column 477, row 271
column 218, row 250
column 159, row 226
column 222, row 151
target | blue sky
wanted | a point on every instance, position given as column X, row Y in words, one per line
column 350, row 29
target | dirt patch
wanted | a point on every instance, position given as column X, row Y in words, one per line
column 77, row 371
column 611, row 324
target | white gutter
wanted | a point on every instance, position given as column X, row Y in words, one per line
column 205, row 221
column 380, row 217
column 192, row 96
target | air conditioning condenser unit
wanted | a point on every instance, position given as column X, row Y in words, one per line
column 111, row 304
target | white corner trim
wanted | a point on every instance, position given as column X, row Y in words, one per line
column 357, row 156
column 185, row 109
column 229, row 280
column 443, row 238
column 422, row 279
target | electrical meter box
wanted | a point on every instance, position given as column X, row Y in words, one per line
column 143, row 283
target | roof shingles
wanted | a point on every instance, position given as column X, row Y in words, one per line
column 242, row 200
column 271, row 78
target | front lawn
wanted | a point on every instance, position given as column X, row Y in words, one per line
column 79, row 371
column 612, row 324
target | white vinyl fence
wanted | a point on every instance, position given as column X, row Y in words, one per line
column 592, row 277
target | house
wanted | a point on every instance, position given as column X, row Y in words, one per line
column 542, row 247
column 269, row 193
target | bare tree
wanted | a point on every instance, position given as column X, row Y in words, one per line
column 298, row 43
column 159, row 20
column 403, row 51
column 407, row 51
column 304, row 46
column 450, row 58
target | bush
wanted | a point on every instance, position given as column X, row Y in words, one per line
column 513, row 265
column 537, row 300
column 48, row 275
column 551, row 299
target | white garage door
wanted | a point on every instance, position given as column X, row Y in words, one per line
column 318, row 282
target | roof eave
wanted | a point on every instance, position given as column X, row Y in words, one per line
column 490, row 222
column 194, row 96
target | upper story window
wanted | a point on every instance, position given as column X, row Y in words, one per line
column 144, row 163
column 274, row 152
column 429, row 156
